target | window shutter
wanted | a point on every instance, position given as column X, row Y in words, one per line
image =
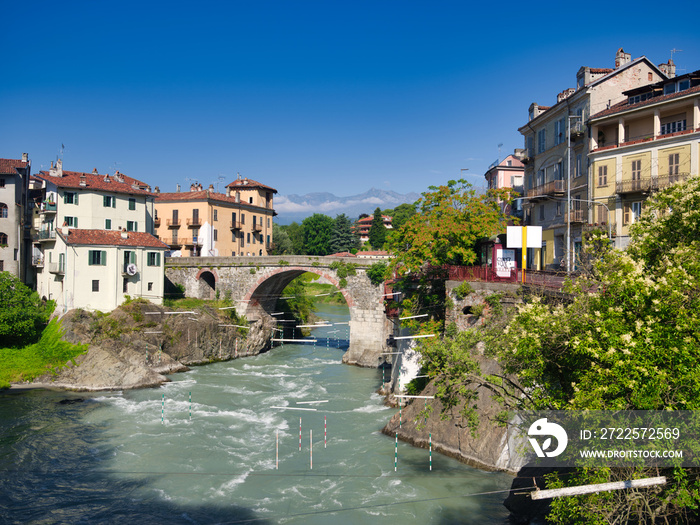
column 132, row 257
column 75, row 222
column 65, row 198
column 114, row 202
column 157, row 258
column 75, row 199
column 103, row 258
column 627, row 214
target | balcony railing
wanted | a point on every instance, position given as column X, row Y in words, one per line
column 235, row 225
column 550, row 188
column 194, row 222
column 156, row 221
column 44, row 236
column 576, row 216
column 257, row 227
column 38, row 261
column 57, row 268
column 48, row 207
column 173, row 223
column 649, row 184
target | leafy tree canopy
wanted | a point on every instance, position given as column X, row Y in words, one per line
column 449, row 221
column 316, row 232
column 22, row 314
column 282, row 244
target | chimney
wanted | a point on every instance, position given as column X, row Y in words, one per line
column 193, row 187
column 83, row 180
column 156, row 190
column 621, row 58
column 25, row 157
column 94, row 171
column 668, row 69
column 125, row 234
column 211, row 187
column 177, row 188
column 106, row 178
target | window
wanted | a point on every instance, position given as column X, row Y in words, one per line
column 673, row 163
column 268, row 222
column 97, row 258
column 632, row 212
column 250, row 200
column 2, row 183
column 541, row 140
column 95, row 285
column 216, row 234
column 153, row 259
column 125, row 285
column 602, row 175
column 248, row 239
column 109, row 201
column 108, row 224
column 70, row 197
column 673, row 127
column 670, row 88
column 541, row 212
column 131, row 226
column 577, row 167
column 268, row 241
column 558, row 208
column 530, row 146
column 150, row 287
column 2, row 266
column 3, row 210
column 132, row 203
column 683, row 85
column 216, row 215
column 557, row 173
column 71, row 222
column 3, row 239
column 540, row 178
column 242, row 218
column 636, row 169
column 559, row 132
column 638, row 98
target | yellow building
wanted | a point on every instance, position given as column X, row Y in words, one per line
column 206, row 223
column 642, row 144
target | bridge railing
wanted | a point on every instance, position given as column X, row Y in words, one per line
column 271, row 260
column 545, row 279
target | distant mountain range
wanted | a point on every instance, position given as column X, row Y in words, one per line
column 293, row 207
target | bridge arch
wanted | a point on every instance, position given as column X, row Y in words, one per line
column 207, row 279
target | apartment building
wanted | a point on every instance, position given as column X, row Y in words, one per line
column 14, row 183
column 363, row 226
column 92, row 239
column 507, row 174
column 205, row 223
column 648, row 141
column 556, row 156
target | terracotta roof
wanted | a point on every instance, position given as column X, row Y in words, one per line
column 8, row 166
column 249, row 183
column 371, row 218
column 112, row 238
column 343, row 254
column 625, row 105
column 95, row 181
column 599, row 70
column 202, row 195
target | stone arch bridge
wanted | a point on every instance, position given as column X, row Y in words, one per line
column 254, row 284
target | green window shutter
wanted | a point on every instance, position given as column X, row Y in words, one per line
column 89, row 257
column 103, row 258
column 132, row 257
column 75, row 199
column 105, row 201
column 65, row 198
column 157, row 258
column 75, row 222
column 114, row 202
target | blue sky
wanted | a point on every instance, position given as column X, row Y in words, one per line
column 302, row 96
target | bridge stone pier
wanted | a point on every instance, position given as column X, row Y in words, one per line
column 255, row 284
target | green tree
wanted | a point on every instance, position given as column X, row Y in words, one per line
column 343, row 237
column 316, row 232
column 377, row 232
column 401, row 214
column 281, row 243
column 22, row 314
column 296, row 236
column 449, row 221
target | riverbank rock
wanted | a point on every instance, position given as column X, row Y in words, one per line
column 139, row 343
column 492, row 447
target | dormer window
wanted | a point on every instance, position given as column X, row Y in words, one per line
column 638, row 98
column 684, row 84
column 669, row 88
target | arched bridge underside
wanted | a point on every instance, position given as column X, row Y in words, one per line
column 255, row 284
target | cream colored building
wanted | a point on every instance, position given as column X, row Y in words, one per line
column 78, row 214
column 14, row 181
column 649, row 140
column 206, row 223
column 556, row 155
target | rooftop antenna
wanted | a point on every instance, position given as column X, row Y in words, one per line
column 674, row 50
column 221, row 179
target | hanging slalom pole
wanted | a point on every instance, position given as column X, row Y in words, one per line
column 325, row 432
column 162, row 411
column 277, row 450
column 299, row 434
column 396, row 451
column 311, row 449
column 190, row 406
column 430, row 448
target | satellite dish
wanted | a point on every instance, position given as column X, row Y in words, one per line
column 131, row 269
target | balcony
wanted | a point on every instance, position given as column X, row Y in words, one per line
column 174, row 242
column 44, row 236
column 59, row 268
column 257, row 227
column 555, row 187
column 38, row 261
column 172, row 223
column 576, row 216
column 48, row 208
column 156, row 222
column 648, row 184
column 578, row 130
column 235, row 225
column 194, row 222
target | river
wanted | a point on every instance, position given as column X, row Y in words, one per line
column 228, row 456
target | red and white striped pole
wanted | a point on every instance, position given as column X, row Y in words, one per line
column 299, row 434
column 325, row 432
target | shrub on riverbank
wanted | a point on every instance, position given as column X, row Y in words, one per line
column 49, row 354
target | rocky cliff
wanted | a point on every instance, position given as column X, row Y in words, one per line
column 137, row 344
